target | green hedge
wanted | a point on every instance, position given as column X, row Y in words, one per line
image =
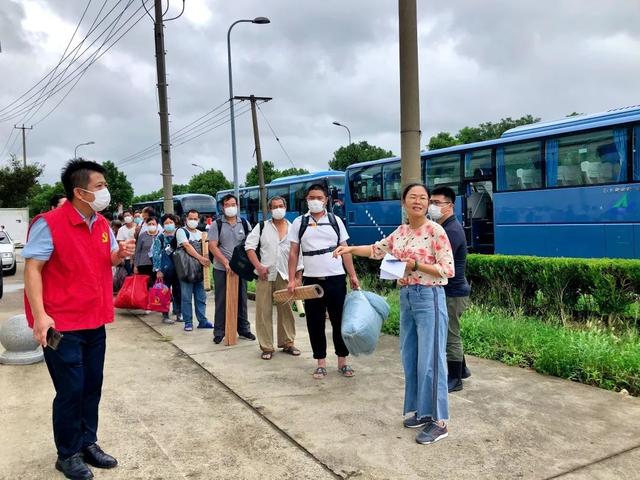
column 565, row 288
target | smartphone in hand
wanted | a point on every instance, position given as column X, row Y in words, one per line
column 53, row 338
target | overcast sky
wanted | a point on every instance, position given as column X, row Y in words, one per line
column 320, row 61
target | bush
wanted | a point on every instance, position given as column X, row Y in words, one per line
column 565, row 288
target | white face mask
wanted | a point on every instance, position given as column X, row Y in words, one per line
column 192, row 224
column 435, row 212
column 231, row 211
column 101, row 201
column 152, row 228
column 278, row 213
column 128, row 219
column 315, row 206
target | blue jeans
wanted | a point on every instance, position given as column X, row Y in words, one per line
column 423, row 348
column 195, row 290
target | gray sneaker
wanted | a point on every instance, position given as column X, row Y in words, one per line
column 415, row 422
column 431, row 434
column 167, row 321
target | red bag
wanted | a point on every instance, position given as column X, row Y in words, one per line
column 159, row 298
column 133, row 294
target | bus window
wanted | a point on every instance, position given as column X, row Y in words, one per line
column 336, row 192
column 444, row 170
column 478, row 164
column 279, row 191
column 587, row 159
column 253, row 205
column 636, row 153
column 519, row 166
column 392, row 181
column 366, row 184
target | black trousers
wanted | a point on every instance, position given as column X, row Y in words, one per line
column 335, row 290
column 76, row 369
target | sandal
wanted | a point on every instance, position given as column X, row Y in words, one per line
column 346, row 371
column 319, row 373
column 291, row 350
column 266, row 355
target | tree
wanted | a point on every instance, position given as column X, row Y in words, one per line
column 178, row 189
column 269, row 170
column 484, row 131
column 209, row 182
column 41, row 195
column 18, row 183
column 119, row 186
column 291, row 171
column 357, row 152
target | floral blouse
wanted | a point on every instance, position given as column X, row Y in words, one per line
column 429, row 244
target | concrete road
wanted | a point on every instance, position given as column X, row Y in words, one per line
column 176, row 405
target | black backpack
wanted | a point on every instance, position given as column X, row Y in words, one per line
column 240, row 262
column 304, row 224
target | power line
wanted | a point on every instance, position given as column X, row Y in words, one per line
column 276, row 136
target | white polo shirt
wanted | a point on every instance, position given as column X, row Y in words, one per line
column 318, row 236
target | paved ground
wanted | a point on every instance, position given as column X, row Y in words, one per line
column 177, row 406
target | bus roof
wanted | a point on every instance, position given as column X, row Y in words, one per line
column 307, row 176
column 176, row 197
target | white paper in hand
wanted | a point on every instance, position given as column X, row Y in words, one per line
column 391, row 268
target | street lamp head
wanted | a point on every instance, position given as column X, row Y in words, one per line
column 261, row 20
column 337, row 123
column 91, row 143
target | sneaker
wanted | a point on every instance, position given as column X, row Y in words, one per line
column 205, row 325
column 415, row 422
column 247, row 335
column 178, row 317
column 218, row 339
column 167, row 321
column 431, row 434
column 188, row 327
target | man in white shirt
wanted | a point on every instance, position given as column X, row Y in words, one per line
column 314, row 236
column 127, row 232
column 273, row 274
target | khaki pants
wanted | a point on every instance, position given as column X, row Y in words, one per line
column 264, row 316
column 455, row 308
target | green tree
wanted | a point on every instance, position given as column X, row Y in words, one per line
column 18, row 183
column 291, row 171
column 209, row 182
column 574, row 114
column 269, row 170
column 357, row 152
column 119, row 186
column 442, row 140
column 178, row 189
column 40, row 197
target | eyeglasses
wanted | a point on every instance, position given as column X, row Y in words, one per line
column 438, row 203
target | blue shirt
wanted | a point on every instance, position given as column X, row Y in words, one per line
column 458, row 285
column 40, row 243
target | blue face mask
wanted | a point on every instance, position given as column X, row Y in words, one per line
column 137, row 220
column 170, row 228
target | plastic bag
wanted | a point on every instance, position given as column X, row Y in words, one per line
column 133, row 294
column 362, row 318
column 159, row 298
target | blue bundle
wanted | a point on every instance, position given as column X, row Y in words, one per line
column 362, row 318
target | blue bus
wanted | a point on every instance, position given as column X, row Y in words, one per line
column 294, row 190
column 205, row 204
column 569, row 188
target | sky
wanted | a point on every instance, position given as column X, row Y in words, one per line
column 321, row 62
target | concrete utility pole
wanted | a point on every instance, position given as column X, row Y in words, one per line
column 165, row 146
column 256, row 138
column 409, row 93
column 24, row 143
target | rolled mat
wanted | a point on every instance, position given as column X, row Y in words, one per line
column 306, row 292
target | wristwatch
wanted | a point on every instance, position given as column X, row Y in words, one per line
column 415, row 266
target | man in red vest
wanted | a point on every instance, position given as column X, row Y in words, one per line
column 68, row 287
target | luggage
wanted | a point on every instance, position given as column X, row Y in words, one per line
column 134, row 293
column 362, row 318
column 159, row 298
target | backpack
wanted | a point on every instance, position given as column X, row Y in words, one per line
column 304, row 224
column 240, row 262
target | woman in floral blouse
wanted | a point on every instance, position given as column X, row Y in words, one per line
column 424, row 247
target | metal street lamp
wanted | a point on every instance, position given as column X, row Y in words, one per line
column 259, row 21
column 199, row 166
column 348, row 131
column 75, row 150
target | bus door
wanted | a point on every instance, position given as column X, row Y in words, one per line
column 477, row 210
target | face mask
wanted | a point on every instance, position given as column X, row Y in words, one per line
column 278, row 213
column 128, row 219
column 231, row 211
column 101, row 201
column 435, row 212
column 152, row 228
column 170, row 228
column 192, row 224
column 315, row 206
column 137, row 220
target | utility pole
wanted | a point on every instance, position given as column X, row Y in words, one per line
column 409, row 90
column 256, row 138
column 165, row 146
column 24, row 143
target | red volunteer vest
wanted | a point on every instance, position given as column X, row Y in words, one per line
column 77, row 279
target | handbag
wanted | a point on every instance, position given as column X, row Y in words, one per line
column 159, row 298
column 188, row 269
column 133, row 294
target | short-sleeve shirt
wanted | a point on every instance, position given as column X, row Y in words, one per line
column 181, row 236
column 230, row 237
column 319, row 235
column 125, row 233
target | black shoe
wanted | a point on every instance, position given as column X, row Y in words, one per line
column 466, row 373
column 247, row 335
column 454, row 385
column 431, row 433
column 415, row 422
column 218, row 339
column 454, row 376
column 94, row 455
column 74, row 468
